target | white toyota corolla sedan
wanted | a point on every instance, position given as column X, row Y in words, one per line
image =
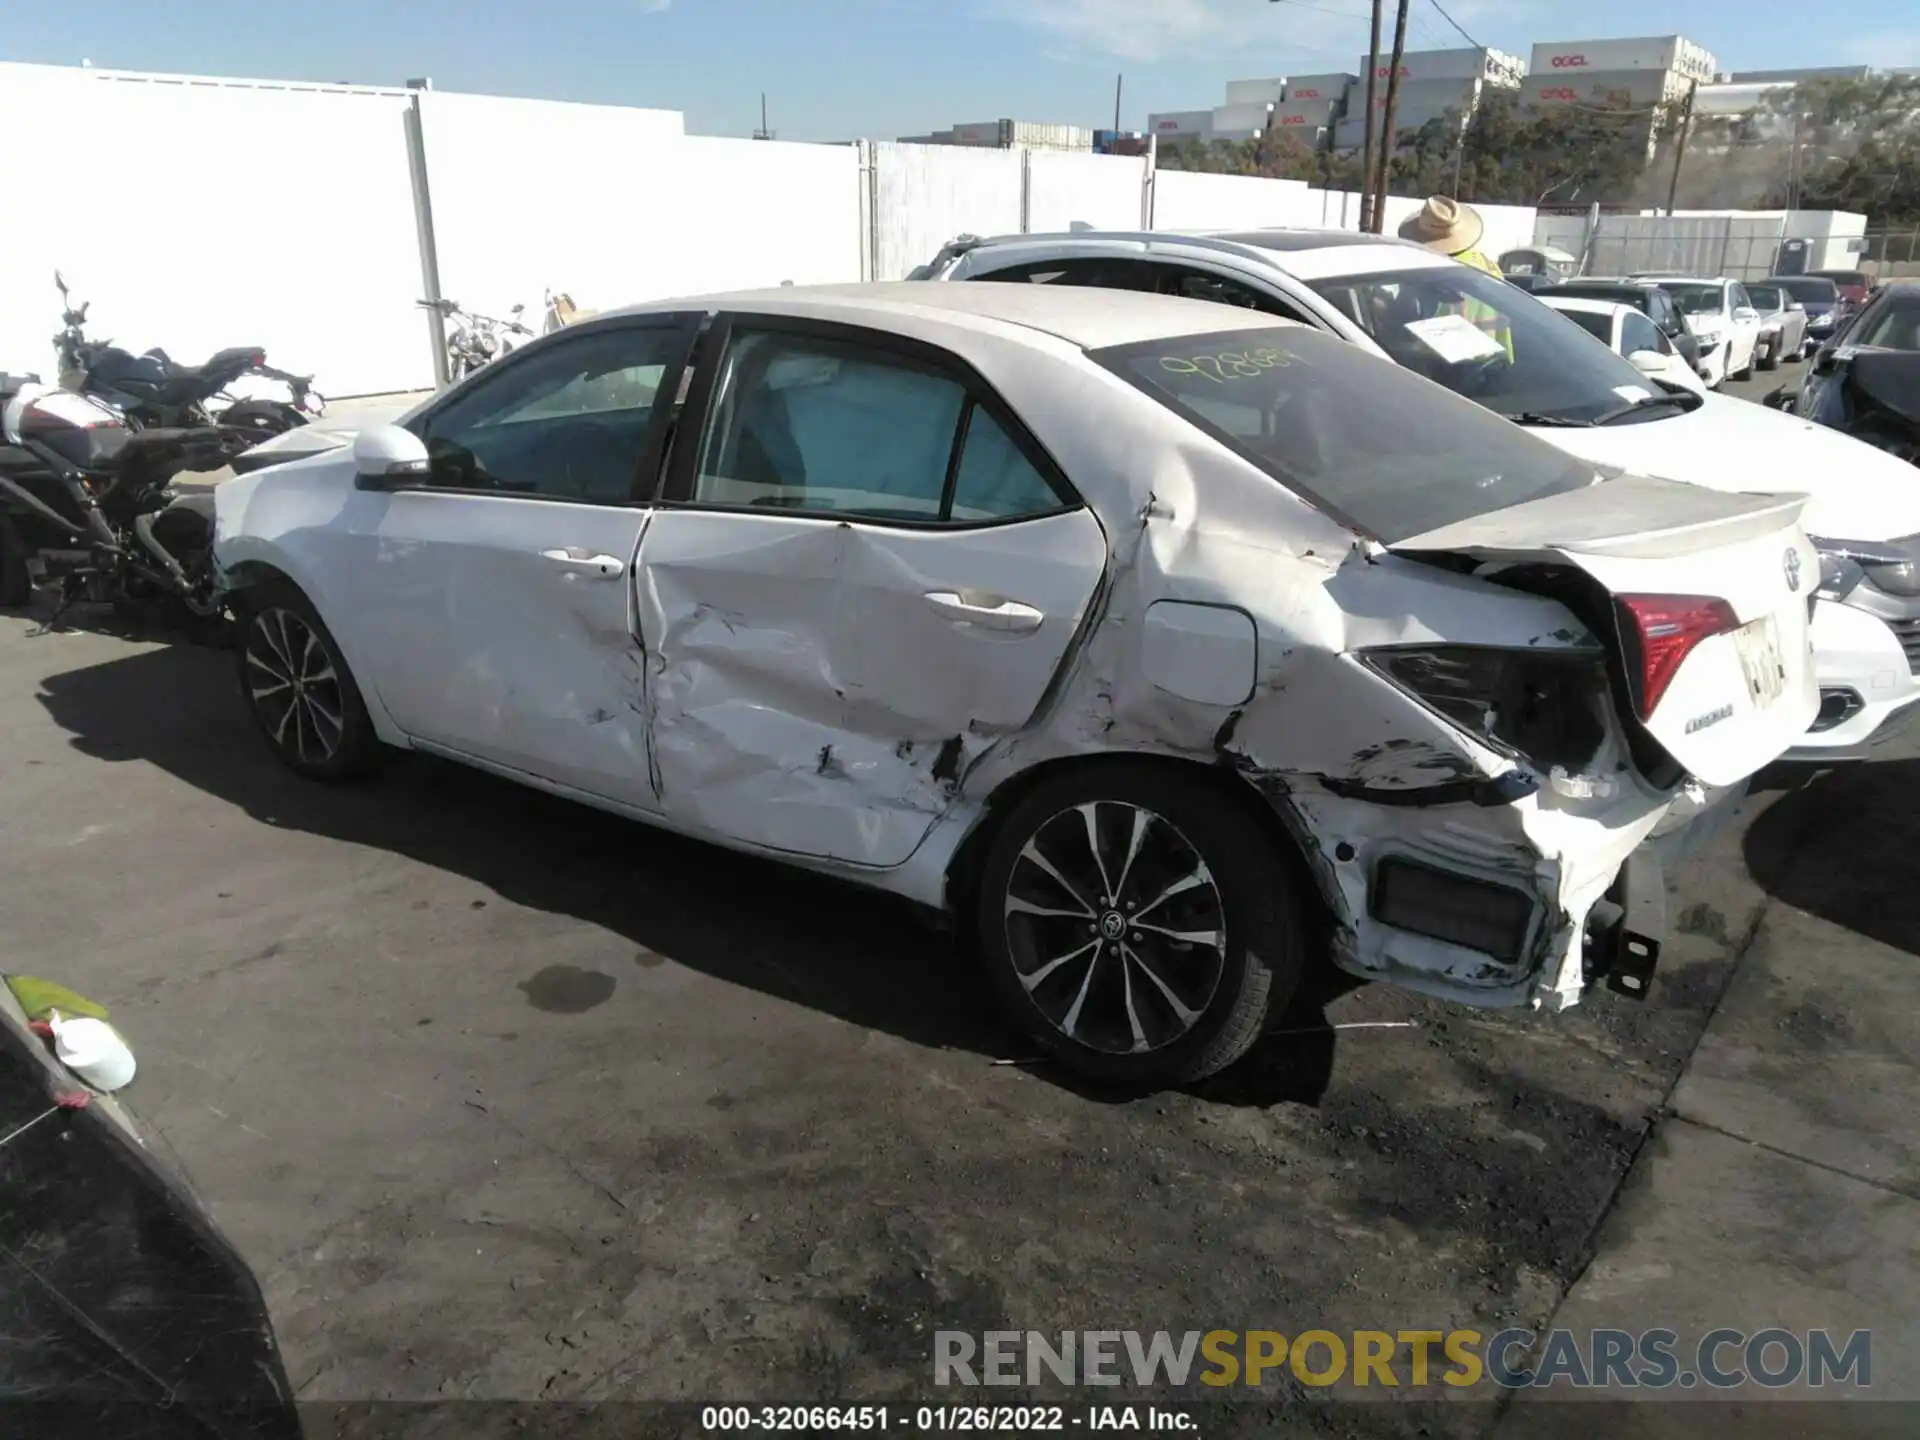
column 1131, row 631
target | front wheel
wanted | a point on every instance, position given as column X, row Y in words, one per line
column 1136, row 926
column 298, row 687
column 1768, row 356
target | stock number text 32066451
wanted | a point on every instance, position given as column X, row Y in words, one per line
column 974, row 1419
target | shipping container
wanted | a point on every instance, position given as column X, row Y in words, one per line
column 1180, row 122
column 1256, row 92
column 1795, row 77
column 1241, row 117
column 1608, row 90
column 1318, row 87
column 1247, row 133
column 1313, row 115
column 1661, row 52
column 1462, row 64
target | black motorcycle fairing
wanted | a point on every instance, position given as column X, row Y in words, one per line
column 1890, row 380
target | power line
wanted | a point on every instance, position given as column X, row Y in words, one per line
column 1456, row 25
column 1321, row 10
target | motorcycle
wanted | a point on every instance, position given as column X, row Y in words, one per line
column 1863, row 391
column 86, row 504
column 475, row 340
column 154, row 389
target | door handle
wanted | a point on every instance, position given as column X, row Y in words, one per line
column 585, row 564
column 1009, row 617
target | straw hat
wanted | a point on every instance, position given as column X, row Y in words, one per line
column 1444, row 224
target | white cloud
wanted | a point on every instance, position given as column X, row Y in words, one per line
column 1147, row 30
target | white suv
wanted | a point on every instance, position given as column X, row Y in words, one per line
column 1404, row 301
column 1723, row 319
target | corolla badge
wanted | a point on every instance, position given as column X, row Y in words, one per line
column 1793, row 570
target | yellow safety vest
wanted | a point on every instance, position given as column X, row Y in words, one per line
column 1485, row 318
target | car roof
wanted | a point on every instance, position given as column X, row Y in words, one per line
column 1307, row 254
column 1687, row 279
column 1607, row 282
column 1089, row 318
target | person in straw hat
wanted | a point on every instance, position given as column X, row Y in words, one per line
column 1454, row 228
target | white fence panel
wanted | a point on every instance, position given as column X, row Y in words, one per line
column 296, row 232
column 1103, row 191
column 925, row 195
column 1188, row 200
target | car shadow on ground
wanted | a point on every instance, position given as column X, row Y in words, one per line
column 863, row 957
column 1845, row 846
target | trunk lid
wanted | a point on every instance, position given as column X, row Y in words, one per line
column 1707, row 606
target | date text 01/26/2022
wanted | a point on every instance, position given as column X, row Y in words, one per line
column 928, row 1419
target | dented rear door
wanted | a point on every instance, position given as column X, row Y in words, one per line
column 1714, row 587
column 863, row 570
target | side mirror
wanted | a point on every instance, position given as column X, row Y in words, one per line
column 1648, row 362
column 1796, row 305
column 386, row 457
column 1824, row 362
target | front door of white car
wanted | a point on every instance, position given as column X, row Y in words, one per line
column 860, row 572
column 1641, row 341
column 1743, row 332
column 493, row 602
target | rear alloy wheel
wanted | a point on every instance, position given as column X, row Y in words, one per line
column 1136, row 926
column 299, row 689
column 1766, row 355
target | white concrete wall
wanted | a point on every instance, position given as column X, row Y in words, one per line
column 1188, row 200
column 616, row 205
column 1104, row 191
column 274, row 217
column 925, row 195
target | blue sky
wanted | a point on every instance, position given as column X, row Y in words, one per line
column 836, row 69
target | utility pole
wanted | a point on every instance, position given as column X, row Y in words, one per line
column 1680, row 146
column 1793, row 166
column 763, row 133
column 1118, row 82
column 1368, row 200
column 1387, row 129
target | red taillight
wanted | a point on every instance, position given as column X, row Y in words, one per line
column 1666, row 629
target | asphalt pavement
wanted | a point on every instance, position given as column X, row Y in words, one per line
column 507, row 1099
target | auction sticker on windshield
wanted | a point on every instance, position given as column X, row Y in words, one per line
column 1758, row 643
column 1454, row 338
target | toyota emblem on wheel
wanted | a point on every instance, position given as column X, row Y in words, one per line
column 1793, row 570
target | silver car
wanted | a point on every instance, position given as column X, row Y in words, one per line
column 1783, row 325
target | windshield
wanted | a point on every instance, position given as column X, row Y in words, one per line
column 1370, row 444
column 1619, row 294
column 1544, row 365
column 1697, row 299
column 1820, row 291
column 1766, row 297
column 1595, row 324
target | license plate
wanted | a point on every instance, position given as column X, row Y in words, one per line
column 1758, row 643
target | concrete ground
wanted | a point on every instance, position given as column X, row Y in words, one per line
column 504, row 1098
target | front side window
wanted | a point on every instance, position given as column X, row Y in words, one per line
column 1896, row 327
column 830, row 426
column 568, row 422
column 1370, row 444
column 1766, row 297
column 1484, row 339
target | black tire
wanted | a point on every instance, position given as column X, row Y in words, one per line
column 323, row 731
column 1768, row 357
column 1176, row 1008
column 16, row 585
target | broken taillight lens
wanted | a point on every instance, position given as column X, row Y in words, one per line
column 1544, row 706
column 1660, row 632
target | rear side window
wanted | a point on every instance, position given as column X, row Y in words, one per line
column 1597, row 325
column 1371, row 444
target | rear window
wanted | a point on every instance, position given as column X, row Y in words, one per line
column 1371, row 444
column 1697, row 299
column 1619, row 294
column 1765, row 297
column 1804, row 288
